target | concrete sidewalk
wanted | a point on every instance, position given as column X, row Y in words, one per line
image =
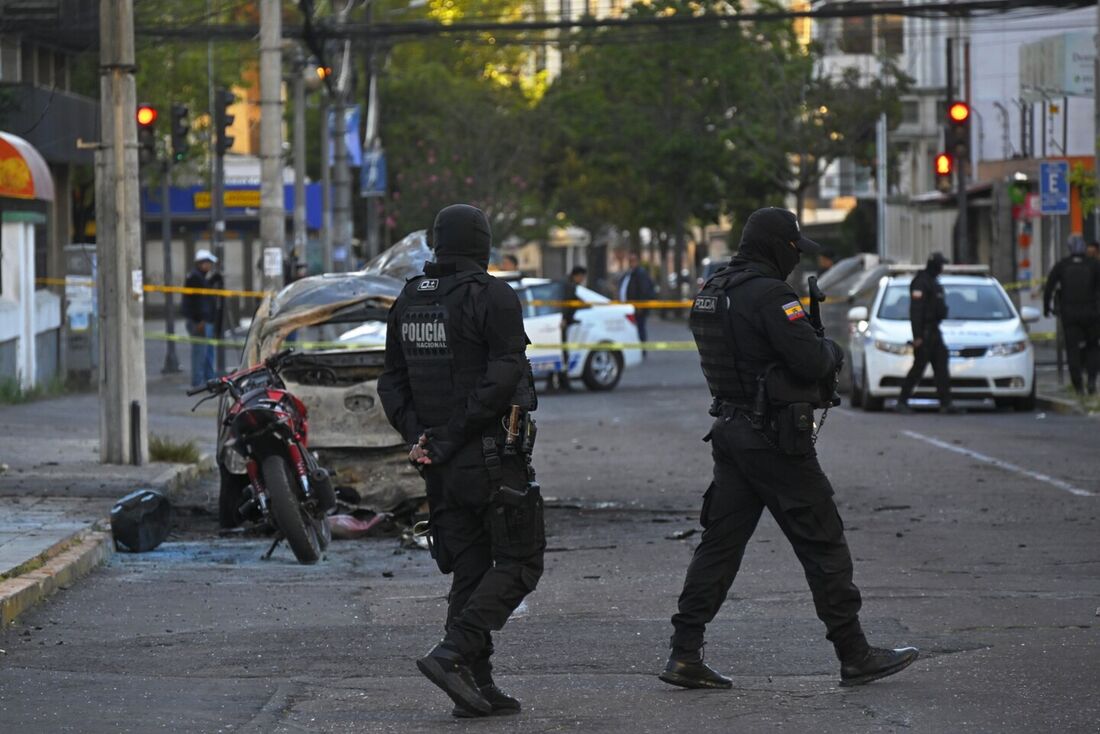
column 55, row 495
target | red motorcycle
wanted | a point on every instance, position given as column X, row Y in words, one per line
column 268, row 426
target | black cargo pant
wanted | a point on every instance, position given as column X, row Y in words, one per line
column 494, row 550
column 933, row 350
column 1082, row 338
column 749, row 476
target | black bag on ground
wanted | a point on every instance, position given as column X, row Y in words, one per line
column 140, row 521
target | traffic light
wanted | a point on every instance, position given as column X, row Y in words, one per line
column 957, row 130
column 147, row 133
column 945, row 166
column 223, row 100
column 181, row 126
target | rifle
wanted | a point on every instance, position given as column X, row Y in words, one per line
column 828, row 385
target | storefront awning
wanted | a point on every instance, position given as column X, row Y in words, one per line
column 23, row 172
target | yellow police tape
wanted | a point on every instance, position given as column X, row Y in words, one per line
column 153, row 288
column 655, row 346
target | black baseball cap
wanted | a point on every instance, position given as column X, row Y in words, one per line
column 774, row 222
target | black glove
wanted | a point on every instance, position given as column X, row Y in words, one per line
column 440, row 447
column 838, row 352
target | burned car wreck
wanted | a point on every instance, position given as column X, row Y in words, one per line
column 337, row 382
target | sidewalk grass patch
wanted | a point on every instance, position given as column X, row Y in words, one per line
column 163, row 448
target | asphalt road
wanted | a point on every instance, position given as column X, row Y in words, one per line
column 975, row 538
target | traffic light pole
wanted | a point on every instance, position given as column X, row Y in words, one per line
column 171, row 361
column 217, row 207
column 964, row 256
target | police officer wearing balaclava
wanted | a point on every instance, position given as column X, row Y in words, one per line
column 764, row 364
column 1073, row 292
column 457, row 387
column 927, row 308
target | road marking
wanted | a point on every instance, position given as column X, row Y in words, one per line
column 1052, row 481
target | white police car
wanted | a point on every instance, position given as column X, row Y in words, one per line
column 991, row 355
column 600, row 368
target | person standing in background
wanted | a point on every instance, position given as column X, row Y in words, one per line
column 636, row 285
column 1072, row 292
column 202, row 312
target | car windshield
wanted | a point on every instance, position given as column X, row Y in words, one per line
column 553, row 291
column 983, row 302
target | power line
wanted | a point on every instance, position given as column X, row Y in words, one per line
column 424, row 28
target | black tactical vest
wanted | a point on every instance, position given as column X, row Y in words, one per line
column 1078, row 286
column 713, row 337
column 444, row 363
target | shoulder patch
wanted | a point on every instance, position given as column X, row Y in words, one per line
column 918, row 295
column 705, row 304
column 793, row 311
column 428, row 284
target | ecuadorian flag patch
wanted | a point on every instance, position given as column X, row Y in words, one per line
column 794, row 311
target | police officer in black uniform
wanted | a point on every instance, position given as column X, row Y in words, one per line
column 764, row 364
column 457, row 386
column 927, row 308
column 1072, row 292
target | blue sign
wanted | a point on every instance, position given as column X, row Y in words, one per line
column 351, row 136
column 1054, row 187
column 372, row 176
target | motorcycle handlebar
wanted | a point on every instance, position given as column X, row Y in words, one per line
column 215, row 385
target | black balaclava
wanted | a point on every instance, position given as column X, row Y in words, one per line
column 935, row 264
column 462, row 232
column 765, row 240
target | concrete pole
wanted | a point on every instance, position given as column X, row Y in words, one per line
column 326, row 188
column 171, row 361
column 272, row 212
column 298, row 84
column 341, row 182
column 122, row 397
column 880, row 176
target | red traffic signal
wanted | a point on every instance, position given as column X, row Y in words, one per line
column 944, row 165
column 958, row 113
column 146, row 115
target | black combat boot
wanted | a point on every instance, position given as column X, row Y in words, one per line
column 448, row 670
column 685, row 668
column 502, row 703
column 902, row 406
column 876, row 663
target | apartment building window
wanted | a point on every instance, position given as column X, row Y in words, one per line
column 910, row 112
column 9, row 59
column 882, row 35
column 856, row 35
column 891, row 34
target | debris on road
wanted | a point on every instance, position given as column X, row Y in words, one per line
column 681, row 534
column 350, row 527
column 140, row 521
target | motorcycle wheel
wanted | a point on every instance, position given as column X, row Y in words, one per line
column 289, row 515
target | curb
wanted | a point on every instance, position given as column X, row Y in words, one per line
column 72, row 558
column 173, row 480
column 61, row 565
column 1059, row 405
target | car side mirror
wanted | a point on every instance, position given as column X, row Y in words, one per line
column 857, row 313
column 1029, row 314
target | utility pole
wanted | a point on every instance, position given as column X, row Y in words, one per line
column 298, row 86
column 963, row 163
column 272, row 213
column 171, row 361
column 880, row 176
column 326, row 188
column 341, row 175
column 122, row 397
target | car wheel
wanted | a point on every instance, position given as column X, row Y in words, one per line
column 870, row 403
column 1026, row 404
column 602, row 370
column 855, row 396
